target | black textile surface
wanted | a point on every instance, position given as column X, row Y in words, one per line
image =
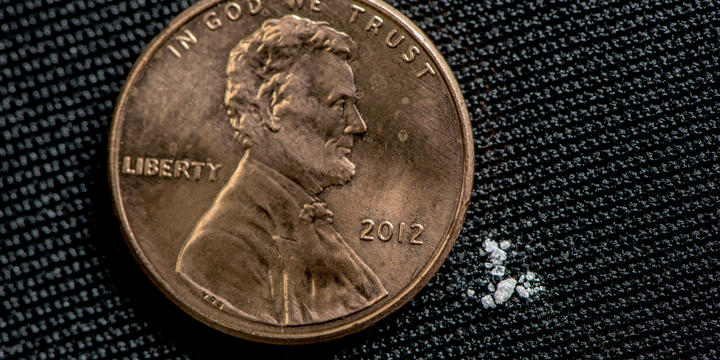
column 597, row 141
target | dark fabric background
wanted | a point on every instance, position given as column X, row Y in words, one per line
column 597, row 141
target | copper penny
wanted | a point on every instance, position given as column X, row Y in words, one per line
column 291, row 171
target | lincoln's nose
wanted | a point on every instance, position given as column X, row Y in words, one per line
column 355, row 123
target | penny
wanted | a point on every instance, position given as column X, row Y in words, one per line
column 291, row 171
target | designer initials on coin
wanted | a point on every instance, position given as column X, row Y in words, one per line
column 291, row 171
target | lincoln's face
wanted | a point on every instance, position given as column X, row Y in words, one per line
column 319, row 120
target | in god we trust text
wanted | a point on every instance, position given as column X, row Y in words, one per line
column 374, row 24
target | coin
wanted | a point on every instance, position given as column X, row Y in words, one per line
column 291, row 171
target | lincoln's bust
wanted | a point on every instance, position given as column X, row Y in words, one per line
column 267, row 247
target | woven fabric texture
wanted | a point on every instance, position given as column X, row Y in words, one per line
column 598, row 156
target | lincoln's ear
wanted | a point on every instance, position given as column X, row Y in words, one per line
column 266, row 99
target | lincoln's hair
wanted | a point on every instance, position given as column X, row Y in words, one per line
column 258, row 67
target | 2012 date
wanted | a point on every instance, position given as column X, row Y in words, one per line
column 386, row 231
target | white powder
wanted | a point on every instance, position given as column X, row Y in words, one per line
column 498, row 271
column 496, row 256
column 504, row 291
column 500, row 292
column 522, row 292
column 488, row 302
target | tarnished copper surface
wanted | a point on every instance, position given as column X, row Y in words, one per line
column 291, row 171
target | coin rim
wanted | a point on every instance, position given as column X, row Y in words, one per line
column 408, row 292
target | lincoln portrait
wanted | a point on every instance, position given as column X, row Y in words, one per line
column 267, row 247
